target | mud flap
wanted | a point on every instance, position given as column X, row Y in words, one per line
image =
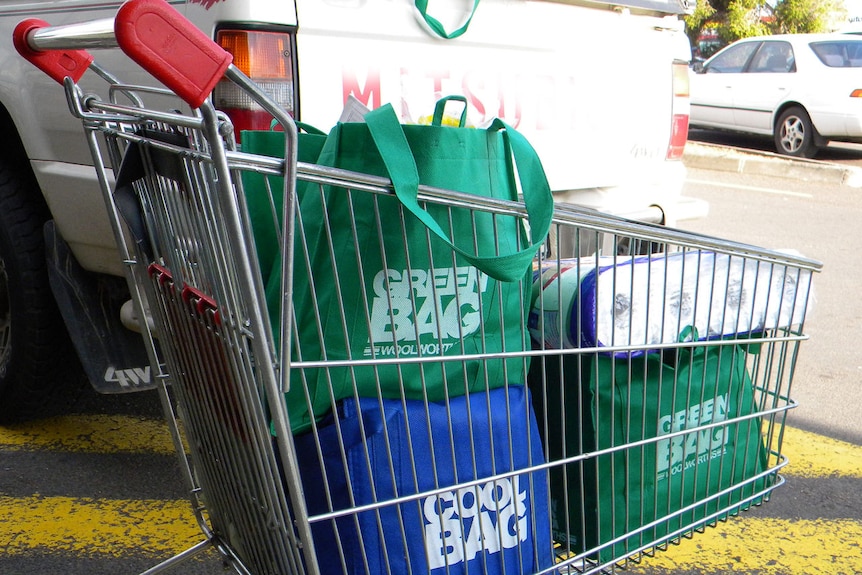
column 114, row 358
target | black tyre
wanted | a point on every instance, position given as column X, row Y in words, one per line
column 38, row 369
column 794, row 134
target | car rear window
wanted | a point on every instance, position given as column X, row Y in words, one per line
column 839, row 54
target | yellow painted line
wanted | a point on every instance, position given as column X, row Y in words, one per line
column 96, row 526
column 810, row 455
column 813, row 455
column 766, row 547
column 89, row 433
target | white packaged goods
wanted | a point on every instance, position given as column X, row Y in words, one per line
column 650, row 300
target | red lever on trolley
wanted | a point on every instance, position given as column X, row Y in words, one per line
column 56, row 63
column 168, row 46
column 204, row 305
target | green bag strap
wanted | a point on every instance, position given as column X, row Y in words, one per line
column 689, row 333
column 301, row 126
column 391, row 142
column 440, row 108
column 437, row 27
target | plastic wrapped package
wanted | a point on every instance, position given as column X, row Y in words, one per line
column 645, row 301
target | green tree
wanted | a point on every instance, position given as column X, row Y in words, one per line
column 735, row 19
column 743, row 18
column 698, row 20
column 801, row 16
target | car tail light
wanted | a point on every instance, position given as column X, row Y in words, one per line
column 680, row 112
column 267, row 57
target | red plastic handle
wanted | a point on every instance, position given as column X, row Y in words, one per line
column 56, row 63
column 168, row 46
column 205, row 306
column 161, row 274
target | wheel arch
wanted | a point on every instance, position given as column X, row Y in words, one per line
column 819, row 140
column 37, row 376
column 12, row 148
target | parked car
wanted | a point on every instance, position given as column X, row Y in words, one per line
column 802, row 89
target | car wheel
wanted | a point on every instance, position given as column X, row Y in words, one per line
column 38, row 368
column 794, row 134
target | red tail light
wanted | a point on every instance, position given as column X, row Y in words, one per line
column 681, row 108
column 267, row 57
column 678, row 137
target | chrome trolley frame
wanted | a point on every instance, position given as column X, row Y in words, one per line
column 658, row 362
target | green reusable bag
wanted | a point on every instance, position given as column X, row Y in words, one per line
column 389, row 278
column 627, row 400
column 263, row 202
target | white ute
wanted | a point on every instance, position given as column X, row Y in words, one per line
column 600, row 89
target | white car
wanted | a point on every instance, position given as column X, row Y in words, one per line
column 802, row 89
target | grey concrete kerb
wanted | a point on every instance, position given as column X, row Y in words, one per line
column 724, row 158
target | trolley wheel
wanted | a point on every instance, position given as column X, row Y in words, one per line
column 39, row 370
column 794, row 134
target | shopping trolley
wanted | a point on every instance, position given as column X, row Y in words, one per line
column 634, row 395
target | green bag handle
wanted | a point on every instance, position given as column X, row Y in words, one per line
column 388, row 136
column 437, row 27
column 301, row 126
column 689, row 333
column 440, row 108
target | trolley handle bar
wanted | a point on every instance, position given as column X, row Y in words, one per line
column 150, row 32
column 156, row 36
column 35, row 40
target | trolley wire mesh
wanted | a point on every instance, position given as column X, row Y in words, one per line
column 582, row 495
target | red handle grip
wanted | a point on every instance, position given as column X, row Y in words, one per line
column 56, row 63
column 168, row 46
column 201, row 303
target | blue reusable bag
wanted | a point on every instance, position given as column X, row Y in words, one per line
column 399, row 449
